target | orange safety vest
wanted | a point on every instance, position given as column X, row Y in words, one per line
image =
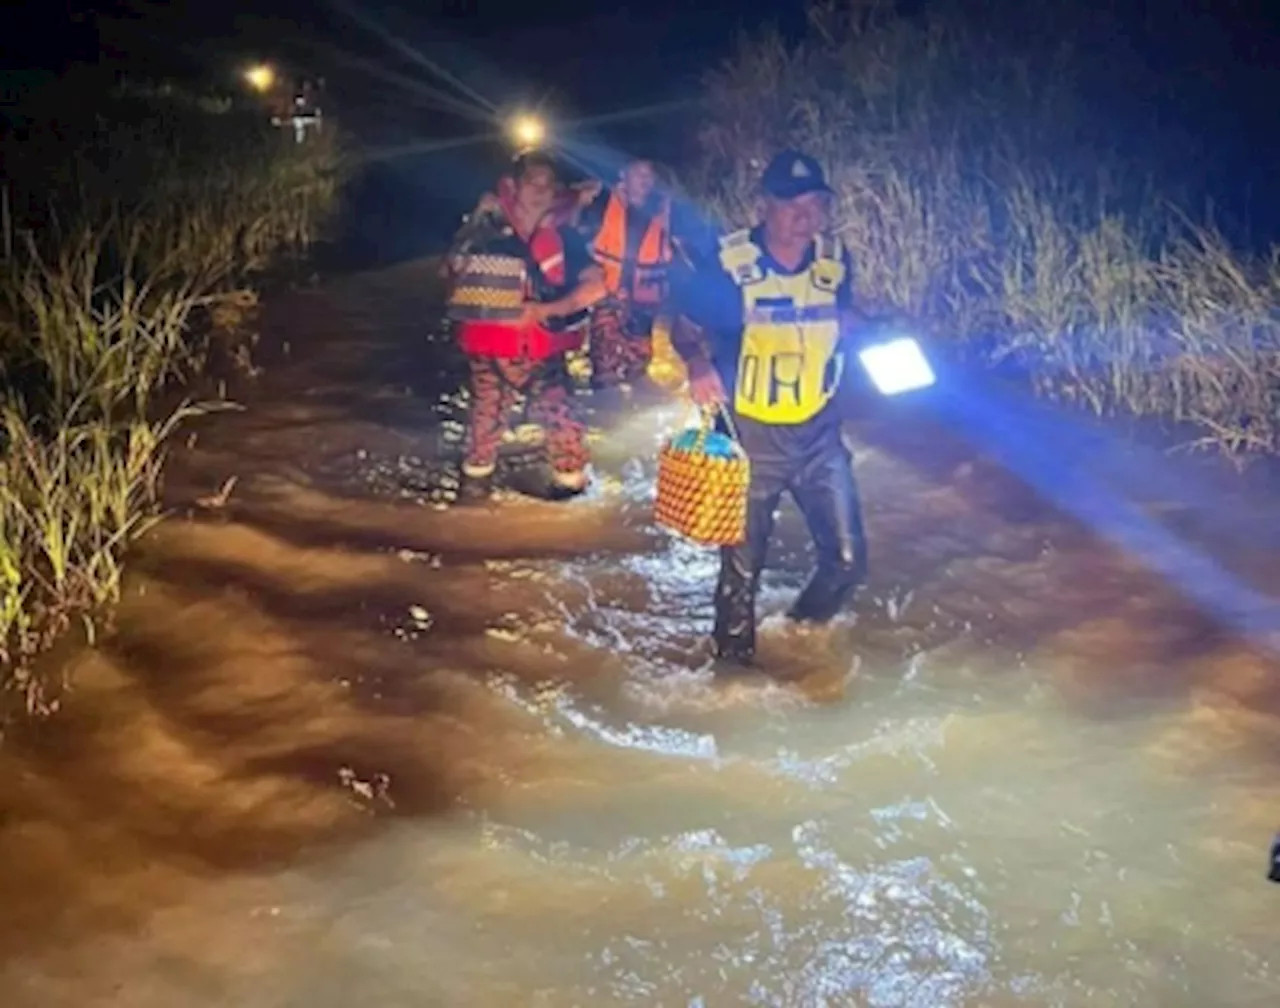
column 610, row 249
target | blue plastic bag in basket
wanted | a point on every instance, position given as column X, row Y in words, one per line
column 716, row 445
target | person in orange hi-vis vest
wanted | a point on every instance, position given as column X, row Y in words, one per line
column 629, row 227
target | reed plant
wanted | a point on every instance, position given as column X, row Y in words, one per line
column 141, row 219
column 984, row 193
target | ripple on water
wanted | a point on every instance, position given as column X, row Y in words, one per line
column 948, row 825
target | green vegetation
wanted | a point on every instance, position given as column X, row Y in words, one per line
column 140, row 221
column 979, row 197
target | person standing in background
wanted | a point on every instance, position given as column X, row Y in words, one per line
column 629, row 231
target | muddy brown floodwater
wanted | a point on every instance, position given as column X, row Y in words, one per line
column 348, row 747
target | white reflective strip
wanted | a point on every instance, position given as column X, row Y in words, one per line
column 551, row 262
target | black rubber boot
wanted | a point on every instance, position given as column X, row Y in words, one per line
column 827, row 496
column 566, row 486
column 734, row 636
column 475, row 489
column 734, row 657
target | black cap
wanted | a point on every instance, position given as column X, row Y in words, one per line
column 791, row 174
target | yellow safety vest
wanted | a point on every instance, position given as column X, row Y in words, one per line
column 790, row 364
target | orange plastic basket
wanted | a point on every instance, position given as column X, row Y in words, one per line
column 703, row 478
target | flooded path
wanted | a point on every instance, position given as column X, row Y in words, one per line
column 348, row 746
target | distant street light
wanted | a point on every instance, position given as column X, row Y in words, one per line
column 528, row 131
column 261, row 77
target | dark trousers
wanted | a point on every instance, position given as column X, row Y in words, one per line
column 812, row 463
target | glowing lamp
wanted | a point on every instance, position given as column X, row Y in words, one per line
column 260, row 77
column 528, row 131
column 897, row 365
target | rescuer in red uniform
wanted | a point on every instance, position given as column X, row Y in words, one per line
column 523, row 282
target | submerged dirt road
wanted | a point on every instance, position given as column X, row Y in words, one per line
column 350, row 748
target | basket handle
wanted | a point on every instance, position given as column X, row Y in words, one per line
column 708, row 423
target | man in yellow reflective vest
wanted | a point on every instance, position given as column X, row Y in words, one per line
column 629, row 227
column 774, row 303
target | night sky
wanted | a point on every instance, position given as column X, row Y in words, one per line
column 601, row 56
column 1220, row 61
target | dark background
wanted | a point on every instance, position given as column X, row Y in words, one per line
column 1217, row 64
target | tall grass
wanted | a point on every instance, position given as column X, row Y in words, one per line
column 141, row 220
column 982, row 194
